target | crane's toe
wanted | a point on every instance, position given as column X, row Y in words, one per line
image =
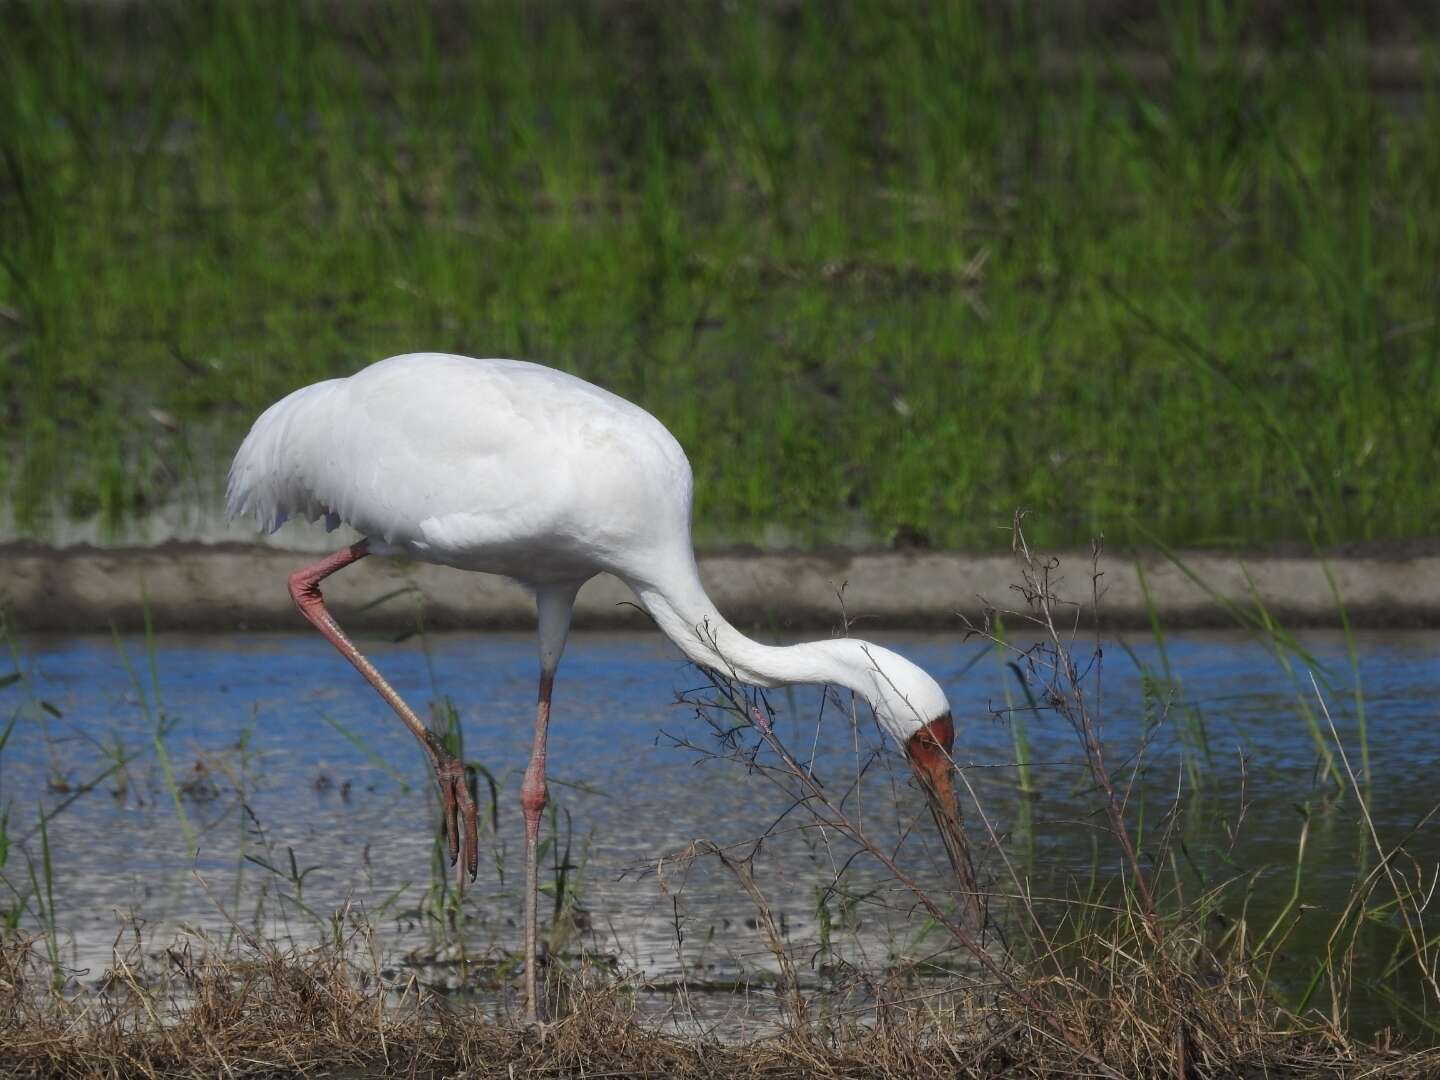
column 467, row 819
column 462, row 830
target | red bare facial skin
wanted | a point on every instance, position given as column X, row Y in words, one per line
column 929, row 748
column 929, row 753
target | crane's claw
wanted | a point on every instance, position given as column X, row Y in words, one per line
column 458, row 812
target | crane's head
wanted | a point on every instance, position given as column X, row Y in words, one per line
column 912, row 707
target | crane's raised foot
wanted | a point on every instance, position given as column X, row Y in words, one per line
column 457, row 810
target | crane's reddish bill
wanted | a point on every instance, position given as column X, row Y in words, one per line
column 929, row 754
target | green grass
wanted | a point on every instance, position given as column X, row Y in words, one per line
column 881, row 271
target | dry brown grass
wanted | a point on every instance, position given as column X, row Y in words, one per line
column 253, row 1009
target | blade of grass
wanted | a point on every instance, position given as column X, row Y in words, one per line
column 365, row 748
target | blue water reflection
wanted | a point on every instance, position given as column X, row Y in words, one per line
column 257, row 736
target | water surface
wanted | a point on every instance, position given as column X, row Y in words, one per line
column 254, row 735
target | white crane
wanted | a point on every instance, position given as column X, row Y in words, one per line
column 516, row 469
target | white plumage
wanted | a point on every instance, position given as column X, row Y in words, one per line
column 456, row 460
column 517, row 469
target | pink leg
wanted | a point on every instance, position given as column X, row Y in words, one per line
column 459, row 807
column 532, row 801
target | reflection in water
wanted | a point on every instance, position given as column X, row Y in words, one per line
column 279, row 750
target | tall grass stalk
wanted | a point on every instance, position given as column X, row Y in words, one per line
column 42, row 889
column 159, row 729
column 1357, row 689
column 1016, row 718
column 369, row 751
column 1281, row 645
column 1410, row 903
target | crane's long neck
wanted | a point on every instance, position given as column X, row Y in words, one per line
column 676, row 599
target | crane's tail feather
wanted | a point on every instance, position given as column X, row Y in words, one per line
column 267, row 478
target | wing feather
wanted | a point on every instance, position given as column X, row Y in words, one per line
column 450, row 457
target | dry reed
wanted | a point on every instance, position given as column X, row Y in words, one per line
column 254, row 1010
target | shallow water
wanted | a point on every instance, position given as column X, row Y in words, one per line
column 265, row 774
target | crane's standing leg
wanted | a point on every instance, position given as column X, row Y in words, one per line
column 532, row 801
column 554, row 605
column 458, row 807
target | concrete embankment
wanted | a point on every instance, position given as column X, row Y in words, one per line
column 227, row 587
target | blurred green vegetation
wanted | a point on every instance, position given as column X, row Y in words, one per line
column 889, row 271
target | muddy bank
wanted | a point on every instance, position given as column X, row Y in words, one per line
column 228, row 587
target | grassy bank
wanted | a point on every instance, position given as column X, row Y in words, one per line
column 884, row 272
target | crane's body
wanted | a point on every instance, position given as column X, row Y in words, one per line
column 500, row 466
column 512, row 468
